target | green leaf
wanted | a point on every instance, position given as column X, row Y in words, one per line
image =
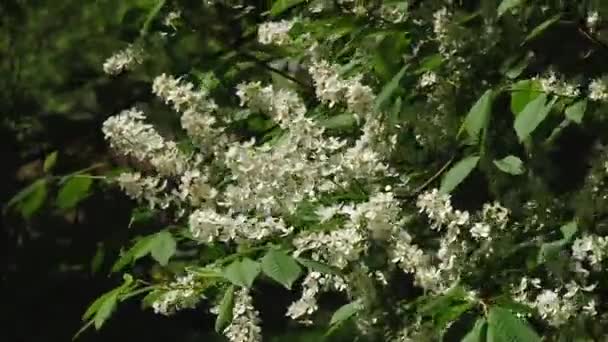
column 142, row 247
column 576, row 111
column 515, row 71
column 390, row 87
column 103, row 306
column 33, row 198
column 569, row 229
column 538, row 30
column 73, row 191
column 503, row 326
column 507, row 5
column 478, row 116
column 511, row 165
column 458, row 173
column 281, row 267
column 549, row 250
column 98, row 258
column 224, row 316
column 281, row 6
column 163, row 247
column 430, row 63
column 106, row 308
column 533, row 114
column 345, row 312
column 317, row 266
column 242, row 272
column 340, row 122
column 478, row 333
column 433, row 306
column 523, row 93
column 49, row 162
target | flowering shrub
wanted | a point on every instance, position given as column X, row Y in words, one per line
column 412, row 157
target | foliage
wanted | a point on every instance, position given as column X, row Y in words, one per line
column 266, row 148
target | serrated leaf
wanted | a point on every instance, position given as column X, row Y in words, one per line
column 49, row 162
column 507, row 5
column 576, row 111
column 106, row 308
column 103, row 306
column 478, row 333
column 224, row 316
column 163, row 247
column 345, row 312
column 533, row 114
column 523, row 93
column 33, row 198
column 242, row 272
column 458, row 173
column 538, row 30
column 317, row 266
column 142, row 247
column 281, row 6
column 94, row 307
column 74, row 190
column 503, row 326
column 478, row 116
column 511, row 165
column 281, row 267
column 390, row 87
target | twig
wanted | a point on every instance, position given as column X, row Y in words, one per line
column 434, row 177
column 270, row 68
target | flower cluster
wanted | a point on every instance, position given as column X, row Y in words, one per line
column 129, row 134
column 123, row 60
column 275, row 32
column 331, row 88
column 314, row 284
column 557, row 306
column 180, row 294
column 245, row 325
column 552, row 84
column 598, row 91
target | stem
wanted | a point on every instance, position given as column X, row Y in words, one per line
column 138, row 292
column 434, row 177
column 153, row 13
column 270, row 68
column 557, row 131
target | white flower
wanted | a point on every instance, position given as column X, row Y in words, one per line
column 598, row 90
column 333, row 89
column 590, row 248
column 245, row 324
column 593, row 19
column 275, row 32
column 123, row 60
column 495, row 214
column 480, row 231
column 428, row 79
column 338, row 247
column 312, row 286
column 128, row 134
column 145, row 189
column 171, row 18
column 326, row 213
column 552, row 84
column 180, row 294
